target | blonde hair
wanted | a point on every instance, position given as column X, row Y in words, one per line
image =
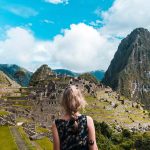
column 72, row 100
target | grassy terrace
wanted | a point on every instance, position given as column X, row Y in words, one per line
column 3, row 113
column 42, row 144
column 26, row 139
column 41, row 129
column 102, row 110
column 6, row 140
column 45, row 144
column 22, row 106
column 22, row 119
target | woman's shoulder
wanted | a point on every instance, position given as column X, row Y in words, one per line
column 89, row 120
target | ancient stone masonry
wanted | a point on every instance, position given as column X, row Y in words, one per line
column 7, row 120
column 46, row 96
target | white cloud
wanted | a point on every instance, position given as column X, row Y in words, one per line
column 48, row 21
column 80, row 48
column 22, row 11
column 96, row 23
column 20, row 47
column 124, row 16
column 57, row 1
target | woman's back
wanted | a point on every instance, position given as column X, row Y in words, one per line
column 71, row 138
column 73, row 131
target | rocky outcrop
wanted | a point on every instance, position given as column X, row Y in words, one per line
column 129, row 71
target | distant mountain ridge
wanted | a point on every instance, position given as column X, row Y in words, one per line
column 11, row 71
column 98, row 74
column 65, row 71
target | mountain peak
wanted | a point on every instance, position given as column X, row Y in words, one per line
column 129, row 70
column 139, row 32
column 41, row 73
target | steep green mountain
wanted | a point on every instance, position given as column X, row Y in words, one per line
column 98, row 74
column 129, row 71
column 41, row 74
column 16, row 73
column 88, row 77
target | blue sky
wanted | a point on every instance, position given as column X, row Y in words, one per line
column 47, row 19
column 80, row 35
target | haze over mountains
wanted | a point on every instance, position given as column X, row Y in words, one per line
column 12, row 69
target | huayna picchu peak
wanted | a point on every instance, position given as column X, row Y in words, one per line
column 129, row 71
column 41, row 74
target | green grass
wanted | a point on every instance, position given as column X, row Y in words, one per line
column 21, row 119
column 45, row 144
column 89, row 98
column 26, row 139
column 18, row 100
column 3, row 113
column 40, row 129
column 6, row 140
column 23, row 106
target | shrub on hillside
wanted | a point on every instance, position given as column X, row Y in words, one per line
column 108, row 139
column 126, row 133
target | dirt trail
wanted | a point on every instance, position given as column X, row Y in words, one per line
column 19, row 141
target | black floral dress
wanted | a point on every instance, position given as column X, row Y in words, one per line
column 70, row 140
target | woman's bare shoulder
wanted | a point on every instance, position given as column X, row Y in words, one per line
column 89, row 120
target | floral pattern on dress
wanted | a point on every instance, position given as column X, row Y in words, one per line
column 69, row 139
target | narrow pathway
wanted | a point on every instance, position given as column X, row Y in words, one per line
column 19, row 141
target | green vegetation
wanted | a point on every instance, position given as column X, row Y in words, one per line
column 23, row 106
column 45, row 144
column 26, row 138
column 6, row 140
column 3, row 79
column 42, row 144
column 89, row 77
column 40, row 129
column 20, row 75
column 89, row 98
column 22, row 119
column 107, row 139
column 3, row 113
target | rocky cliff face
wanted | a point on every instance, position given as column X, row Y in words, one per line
column 129, row 71
column 40, row 74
